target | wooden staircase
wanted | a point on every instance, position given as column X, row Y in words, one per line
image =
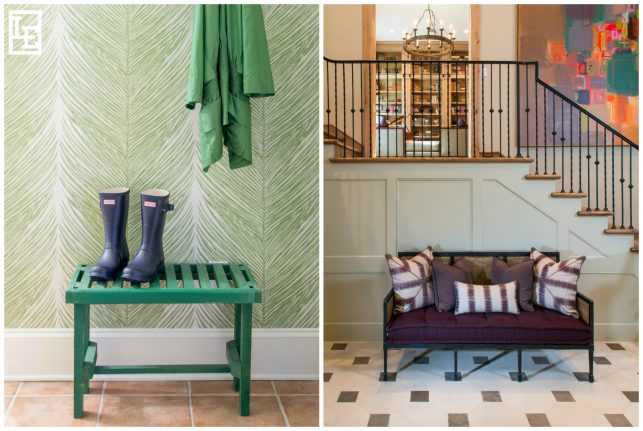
column 345, row 146
column 589, row 212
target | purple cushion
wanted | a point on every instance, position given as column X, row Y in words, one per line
column 523, row 273
column 542, row 326
column 444, row 278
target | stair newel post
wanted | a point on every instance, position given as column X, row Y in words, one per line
column 500, row 108
column 518, row 153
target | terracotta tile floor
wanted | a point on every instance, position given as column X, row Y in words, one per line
column 162, row 403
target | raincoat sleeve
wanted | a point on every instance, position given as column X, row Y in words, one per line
column 257, row 74
column 195, row 77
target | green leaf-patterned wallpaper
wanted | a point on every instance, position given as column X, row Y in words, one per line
column 103, row 106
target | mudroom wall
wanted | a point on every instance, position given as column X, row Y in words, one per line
column 103, row 106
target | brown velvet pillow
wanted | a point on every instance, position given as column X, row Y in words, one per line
column 444, row 278
column 522, row 273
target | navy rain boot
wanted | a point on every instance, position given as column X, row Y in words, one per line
column 114, row 204
column 149, row 259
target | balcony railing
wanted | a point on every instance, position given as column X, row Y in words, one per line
column 407, row 109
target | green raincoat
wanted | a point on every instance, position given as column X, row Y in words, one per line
column 230, row 64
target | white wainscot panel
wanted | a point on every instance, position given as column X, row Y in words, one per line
column 434, row 212
column 354, row 217
column 509, row 222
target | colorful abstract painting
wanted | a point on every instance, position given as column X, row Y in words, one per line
column 589, row 53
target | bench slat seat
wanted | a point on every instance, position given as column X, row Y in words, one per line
column 227, row 283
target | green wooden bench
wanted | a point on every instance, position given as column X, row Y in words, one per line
column 226, row 283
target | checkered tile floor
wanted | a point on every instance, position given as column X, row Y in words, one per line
column 555, row 394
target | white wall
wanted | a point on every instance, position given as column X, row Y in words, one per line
column 373, row 209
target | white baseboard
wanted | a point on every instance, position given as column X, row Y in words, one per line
column 47, row 354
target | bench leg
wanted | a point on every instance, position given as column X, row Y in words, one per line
column 81, row 339
column 519, row 352
column 245, row 358
column 237, row 329
column 590, row 353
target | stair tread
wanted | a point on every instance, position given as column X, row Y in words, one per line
column 620, row 231
column 594, row 213
column 542, row 177
column 568, row 195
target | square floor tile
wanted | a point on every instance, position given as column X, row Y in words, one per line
column 581, row 376
column 301, row 411
column 419, row 396
column 347, row 396
column 563, row 396
column 617, row 420
column 151, row 388
column 145, row 411
column 390, row 377
column 491, row 396
column 601, row 360
column 540, row 360
column 297, row 387
column 339, row 346
column 327, row 377
column 225, row 387
column 513, row 375
column 51, row 411
column 633, row 396
column 213, row 410
column 378, row 420
column 361, row 360
column 458, row 420
column 479, row 360
column 56, row 388
column 537, row 420
column 615, row 346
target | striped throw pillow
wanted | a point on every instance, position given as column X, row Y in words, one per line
column 489, row 298
column 556, row 283
column 411, row 280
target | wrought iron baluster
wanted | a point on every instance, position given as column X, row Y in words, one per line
column 553, row 130
column 545, row 125
column 571, row 150
column 336, row 105
column 482, row 82
column 518, row 153
column 508, row 116
column 353, row 134
column 344, row 110
column 580, row 156
column 589, row 172
column 613, row 197
column 327, row 100
column 361, row 107
column 630, row 187
column 449, row 114
column 622, row 180
column 491, row 108
column 537, row 147
column 500, row 108
column 474, row 110
column 388, row 124
column 370, row 112
column 527, row 105
column 605, row 165
column 596, row 162
column 562, row 144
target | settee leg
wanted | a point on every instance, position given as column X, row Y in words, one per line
column 590, row 353
column 385, row 375
column 454, row 376
column 518, row 376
